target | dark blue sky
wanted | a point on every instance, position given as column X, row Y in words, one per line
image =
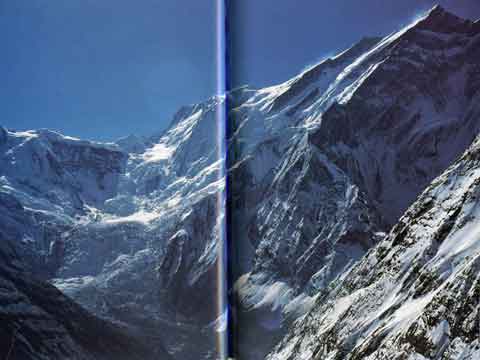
column 102, row 69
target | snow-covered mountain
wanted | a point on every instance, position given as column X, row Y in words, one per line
column 321, row 168
column 416, row 295
column 327, row 162
column 128, row 230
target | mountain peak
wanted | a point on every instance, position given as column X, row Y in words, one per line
column 437, row 9
column 442, row 21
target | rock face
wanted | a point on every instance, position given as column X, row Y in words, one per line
column 47, row 180
column 328, row 161
column 82, row 172
column 39, row 322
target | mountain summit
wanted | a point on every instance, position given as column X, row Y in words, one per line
column 441, row 21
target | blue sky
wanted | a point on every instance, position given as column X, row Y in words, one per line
column 102, row 69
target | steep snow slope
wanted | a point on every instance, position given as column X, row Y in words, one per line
column 326, row 162
column 416, row 295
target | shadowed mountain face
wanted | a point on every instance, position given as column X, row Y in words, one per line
column 39, row 322
column 327, row 162
column 321, row 168
column 416, row 295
